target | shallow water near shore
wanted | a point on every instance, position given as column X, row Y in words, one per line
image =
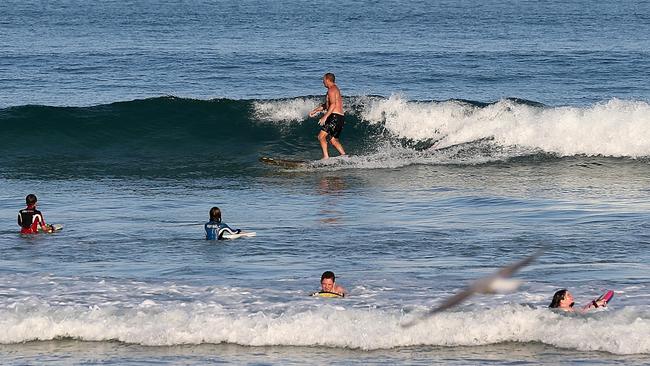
column 66, row 351
column 399, row 240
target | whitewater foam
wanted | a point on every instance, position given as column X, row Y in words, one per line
column 166, row 314
column 613, row 128
column 512, row 128
column 391, row 156
column 285, row 110
column 624, row 331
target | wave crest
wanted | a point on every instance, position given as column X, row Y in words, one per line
column 188, row 135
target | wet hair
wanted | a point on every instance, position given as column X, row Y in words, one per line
column 30, row 199
column 215, row 214
column 329, row 76
column 328, row 274
column 557, row 298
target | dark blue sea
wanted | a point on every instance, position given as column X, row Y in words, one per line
column 478, row 132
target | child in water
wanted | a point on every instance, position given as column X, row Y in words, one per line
column 328, row 285
column 31, row 219
column 214, row 229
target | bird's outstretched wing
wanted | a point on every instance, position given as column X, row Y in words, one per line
column 495, row 283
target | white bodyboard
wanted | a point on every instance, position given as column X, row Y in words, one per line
column 240, row 235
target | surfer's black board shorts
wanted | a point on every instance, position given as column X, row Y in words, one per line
column 334, row 125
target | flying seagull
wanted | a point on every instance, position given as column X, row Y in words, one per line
column 498, row 282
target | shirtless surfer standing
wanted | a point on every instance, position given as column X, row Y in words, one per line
column 333, row 120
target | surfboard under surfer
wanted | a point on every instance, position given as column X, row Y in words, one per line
column 333, row 118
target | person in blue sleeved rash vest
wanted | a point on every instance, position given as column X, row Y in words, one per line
column 214, row 229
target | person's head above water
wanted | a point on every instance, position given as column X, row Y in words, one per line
column 215, row 214
column 329, row 79
column 327, row 281
column 31, row 199
column 562, row 299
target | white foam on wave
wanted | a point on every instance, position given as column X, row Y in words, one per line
column 614, row 128
column 389, row 156
column 159, row 314
column 284, row 111
column 625, row 331
column 508, row 128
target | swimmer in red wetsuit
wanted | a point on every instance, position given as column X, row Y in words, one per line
column 30, row 219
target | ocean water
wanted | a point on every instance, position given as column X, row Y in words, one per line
column 478, row 133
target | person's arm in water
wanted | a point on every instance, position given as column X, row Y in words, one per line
column 600, row 303
column 38, row 222
column 226, row 229
column 46, row 228
column 339, row 290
